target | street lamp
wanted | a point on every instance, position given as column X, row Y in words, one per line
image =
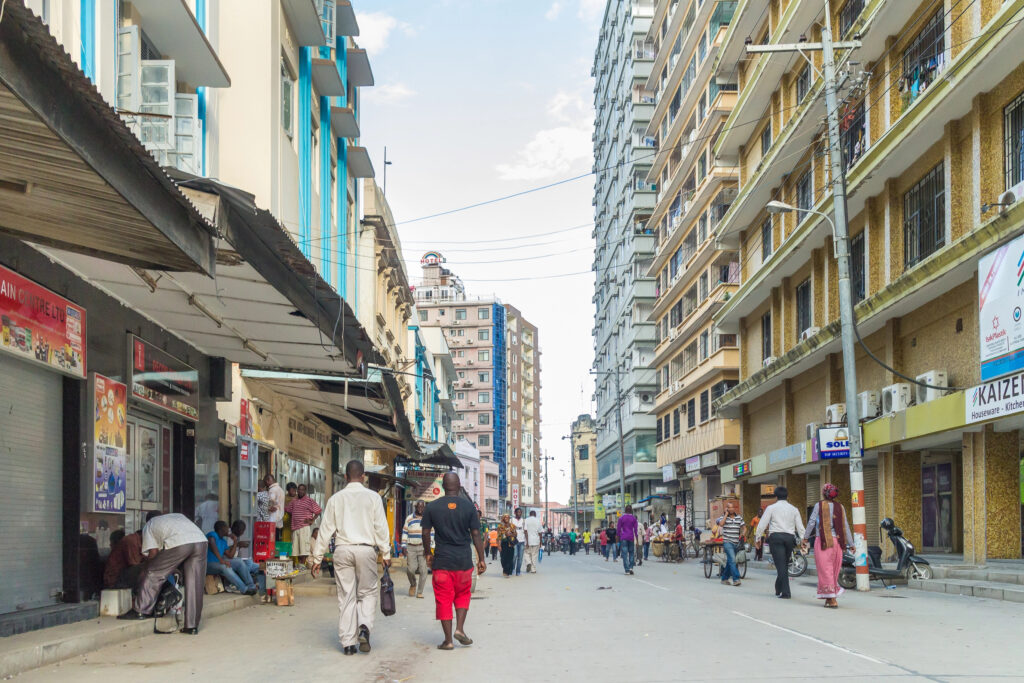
column 575, row 492
column 547, row 475
column 782, row 207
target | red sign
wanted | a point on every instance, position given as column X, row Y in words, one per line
column 243, row 450
column 162, row 380
column 41, row 326
column 244, row 428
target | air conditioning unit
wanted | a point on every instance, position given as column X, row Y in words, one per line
column 1010, row 197
column 896, row 397
column 469, row 362
column 936, row 378
column 867, row 404
column 456, row 322
column 677, row 385
column 645, row 398
column 835, row 413
column 472, row 403
column 808, row 333
column 812, row 430
column 469, row 341
column 673, row 333
column 768, row 361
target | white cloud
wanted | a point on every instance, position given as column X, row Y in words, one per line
column 558, row 149
column 553, row 11
column 375, row 29
column 591, row 10
column 389, row 93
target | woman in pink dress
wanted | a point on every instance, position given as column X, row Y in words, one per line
column 829, row 530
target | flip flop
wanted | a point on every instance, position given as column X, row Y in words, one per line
column 446, row 646
column 463, row 638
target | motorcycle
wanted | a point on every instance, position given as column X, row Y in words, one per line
column 908, row 565
column 797, row 562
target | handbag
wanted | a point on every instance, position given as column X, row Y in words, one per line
column 741, row 556
column 387, row 594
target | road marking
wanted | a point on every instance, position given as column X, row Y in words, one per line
column 812, row 638
column 636, row 580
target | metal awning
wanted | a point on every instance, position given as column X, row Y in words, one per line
column 83, row 182
column 437, row 453
column 174, row 31
column 359, row 164
column 361, row 410
column 304, row 21
column 326, row 78
column 359, row 72
column 344, row 123
column 345, row 23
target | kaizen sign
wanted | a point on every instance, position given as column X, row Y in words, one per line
column 997, row 398
column 834, row 443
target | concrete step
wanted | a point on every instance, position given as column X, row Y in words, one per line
column 26, row 651
column 994, row 590
column 990, row 574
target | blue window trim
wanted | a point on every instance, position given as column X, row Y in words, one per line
column 342, row 227
column 305, row 149
column 500, row 391
column 88, row 29
column 201, row 90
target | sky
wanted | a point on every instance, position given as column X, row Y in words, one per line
column 479, row 99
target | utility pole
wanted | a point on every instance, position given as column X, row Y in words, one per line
column 547, row 476
column 572, row 462
column 842, row 255
column 618, row 420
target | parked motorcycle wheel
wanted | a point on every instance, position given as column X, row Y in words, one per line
column 848, row 580
column 797, row 565
column 920, row 571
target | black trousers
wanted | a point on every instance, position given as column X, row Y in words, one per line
column 494, row 552
column 507, row 551
column 781, row 547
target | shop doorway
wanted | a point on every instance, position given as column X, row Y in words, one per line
column 147, row 473
column 937, row 507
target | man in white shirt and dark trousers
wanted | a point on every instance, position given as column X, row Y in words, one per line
column 531, row 529
column 355, row 518
column 168, row 542
column 412, row 537
column 784, row 525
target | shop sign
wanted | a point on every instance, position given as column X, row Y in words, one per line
column 244, row 423
column 660, row 490
column 110, row 438
column 709, row 459
column 742, row 469
column 40, row 326
column 426, row 486
column 997, row 398
column 162, row 380
column 796, row 451
column 1000, row 301
column 693, row 464
column 230, row 434
column 834, row 443
column 243, row 450
column 668, row 472
column 598, row 510
column 608, row 500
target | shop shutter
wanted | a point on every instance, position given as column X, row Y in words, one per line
column 813, row 489
column 871, row 504
column 31, row 563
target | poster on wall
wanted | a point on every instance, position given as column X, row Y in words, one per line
column 1000, row 304
column 162, row 380
column 40, row 326
column 110, row 440
column 426, row 486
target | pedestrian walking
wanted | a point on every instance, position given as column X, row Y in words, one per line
column 169, row 542
column 733, row 529
column 456, row 526
column 828, row 531
column 415, row 560
column 648, row 532
column 532, row 530
column 519, row 523
column 303, row 510
column 492, row 538
column 572, row 542
column 613, row 543
column 783, row 524
column 626, row 531
column 507, row 535
column 758, row 549
column 586, row 542
column 604, row 543
column 679, row 539
column 355, row 519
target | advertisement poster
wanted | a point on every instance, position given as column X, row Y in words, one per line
column 40, row 326
column 1000, row 301
column 109, row 479
column 598, row 510
column 162, row 380
column 426, row 486
column 110, row 441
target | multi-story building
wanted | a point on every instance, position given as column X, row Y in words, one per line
column 497, row 385
column 932, row 127
column 584, row 446
column 695, row 363
column 624, row 294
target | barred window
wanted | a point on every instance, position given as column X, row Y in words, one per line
column 848, row 15
column 924, row 59
column 924, row 217
column 691, row 414
column 858, row 283
column 803, row 83
column 705, row 406
column 1013, row 133
column 803, row 306
column 676, row 418
column 804, row 195
column 766, row 336
column 766, row 139
column 766, row 239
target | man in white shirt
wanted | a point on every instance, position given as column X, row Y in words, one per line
column 519, row 523
column 354, row 518
column 276, row 503
column 784, row 525
column 416, row 561
column 168, row 542
column 531, row 531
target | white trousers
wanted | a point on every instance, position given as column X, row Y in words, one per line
column 531, row 557
column 355, row 572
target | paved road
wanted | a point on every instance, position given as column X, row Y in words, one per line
column 666, row 623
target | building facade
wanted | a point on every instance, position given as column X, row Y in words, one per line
column 694, row 275
column 584, row 448
column 932, row 123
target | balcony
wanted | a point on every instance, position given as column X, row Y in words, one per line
column 358, row 64
column 359, row 164
column 174, row 31
column 304, row 21
column 715, row 434
column 326, row 78
column 682, row 334
column 704, row 194
column 344, row 123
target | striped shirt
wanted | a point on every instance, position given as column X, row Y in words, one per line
column 412, row 534
column 303, row 511
column 731, row 529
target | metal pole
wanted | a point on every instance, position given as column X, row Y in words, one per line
column 547, row 501
column 842, row 253
column 575, row 487
column 618, row 420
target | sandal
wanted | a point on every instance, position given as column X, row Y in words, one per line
column 463, row 638
column 446, row 646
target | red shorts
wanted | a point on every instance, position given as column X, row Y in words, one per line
column 451, row 587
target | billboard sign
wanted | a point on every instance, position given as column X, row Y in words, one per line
column 1000, row 305
column 160, row 379
column 834, row 443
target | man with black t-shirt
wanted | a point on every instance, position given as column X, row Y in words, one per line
column 456, row 525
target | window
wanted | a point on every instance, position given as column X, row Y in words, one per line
column 483, row 397
column 924, row 59
column 803, row 306
column 483, row 355
column 691, row 414
column 423, row 316
column 440, row 311
column 705, row 406
column 483, row 335
column 704, row 345
column 483, row 376
column 924, row 217
column 327, row 19
column 287, row 97
column 483, row 440
column 1013, row 133
column 858, row 268
column 460, row 313
column 484, row 418
column 766, row 139
column 492, row 481
column 460, row 395
column 848, row 15
column 462, row 374
column 677, row 416
column 853, row 134
column 460, row 354
column 766, row 336
column 803, row 83
column 659, row 436
column 583, row 452
column 703, row 286
column 513, row 471
column 483, row 313
column 804, row 195
column 766, row 239
column 721, row 388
